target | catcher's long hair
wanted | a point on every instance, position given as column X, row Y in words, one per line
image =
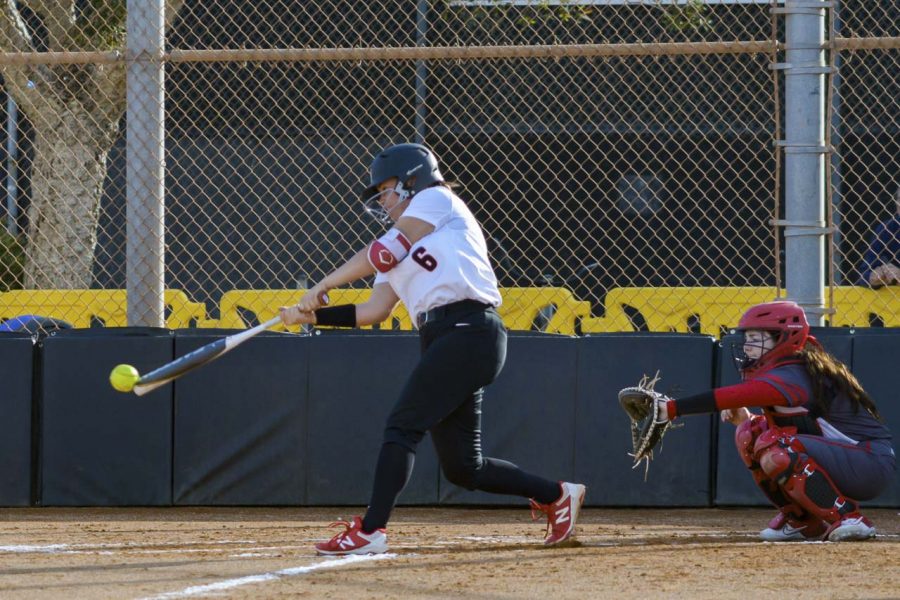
column 824, row 368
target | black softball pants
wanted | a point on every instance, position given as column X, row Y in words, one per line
column 461, row 353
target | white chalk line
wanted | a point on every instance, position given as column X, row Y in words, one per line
column 36, row 549
column 132, row 547
column 247, row 548
column 227, row 584
column 495, row 539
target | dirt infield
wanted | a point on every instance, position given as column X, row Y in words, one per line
column 435, row 552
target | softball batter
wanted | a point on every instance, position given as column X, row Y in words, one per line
column 820, row 445
column 434, row 259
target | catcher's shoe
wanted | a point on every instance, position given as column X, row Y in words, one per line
column 353, row 541
column 852, row 529
column 562, row 514
column 788, row 528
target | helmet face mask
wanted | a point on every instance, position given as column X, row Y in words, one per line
column 414, row 166
column 375, row 206
column 787, row 324
column 762, row 343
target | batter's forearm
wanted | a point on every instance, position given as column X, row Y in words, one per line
column 354, row 269
column 367, row 314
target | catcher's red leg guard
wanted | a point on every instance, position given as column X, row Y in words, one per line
column 784, row 460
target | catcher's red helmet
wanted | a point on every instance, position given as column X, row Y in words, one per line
column 785, row 320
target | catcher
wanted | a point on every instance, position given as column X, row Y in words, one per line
column 820, row 445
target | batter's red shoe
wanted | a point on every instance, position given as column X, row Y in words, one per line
column 353, row 541
column 562, row 514
column 789, row 528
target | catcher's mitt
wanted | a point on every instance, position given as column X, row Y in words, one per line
column 649, row 423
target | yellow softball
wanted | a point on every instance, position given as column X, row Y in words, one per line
column 123, row 377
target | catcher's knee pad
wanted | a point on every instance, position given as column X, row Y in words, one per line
column 745, row 437
column 776, row 454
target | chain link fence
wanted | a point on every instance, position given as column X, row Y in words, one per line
column 620, row 155
column 866, row 159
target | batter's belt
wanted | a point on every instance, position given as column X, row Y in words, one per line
column 441, row 312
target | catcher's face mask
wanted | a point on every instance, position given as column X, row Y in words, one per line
column 752, row 346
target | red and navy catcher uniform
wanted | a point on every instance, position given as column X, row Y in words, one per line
column 819, row 445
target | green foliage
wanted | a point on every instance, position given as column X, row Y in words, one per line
column 102, row 25
column 563, row 12
column 536, row 13
column 691, row 16
column 12, row 258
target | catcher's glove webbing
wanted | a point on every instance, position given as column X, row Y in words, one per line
column 649, row 423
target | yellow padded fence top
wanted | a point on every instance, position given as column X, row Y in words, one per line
column 707, row 310
column 715, row 310
column 521, row 308
column 236, row 305
column 89, row 308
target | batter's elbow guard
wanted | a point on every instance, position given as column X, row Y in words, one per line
column 386, row 252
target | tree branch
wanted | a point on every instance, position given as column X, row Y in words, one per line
column 21, row 82
column 109, row 83
column 58, row 17
column 14, row 35
column 172, row 9
column 100, row 25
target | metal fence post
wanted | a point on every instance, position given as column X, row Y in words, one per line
column 421, row 71
column 804, row 149
column 145, row 150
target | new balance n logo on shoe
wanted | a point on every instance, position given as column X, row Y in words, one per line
column 562, row 514
column 353, row 541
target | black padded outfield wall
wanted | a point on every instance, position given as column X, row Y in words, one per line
column 680, row 474
column 240, row 422
column 16, row 358
column 100, row 447
column 528, row 414
column 734, row 484
column 296, row 420
column 354, row 380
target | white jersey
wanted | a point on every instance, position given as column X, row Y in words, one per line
column 447, row 265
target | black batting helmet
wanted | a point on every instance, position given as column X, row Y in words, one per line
column 414, row 165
